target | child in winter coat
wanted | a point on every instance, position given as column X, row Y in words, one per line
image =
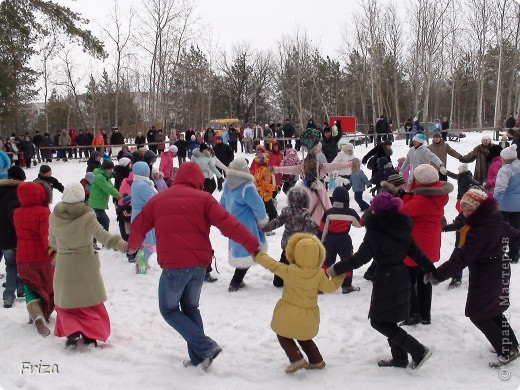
column 295, row 218
column 158, row 179
column 86, row 182
column 192, row 145
column 460, row 228
column 33, row 256
column 359, row 181
column 490, row 272
column 388, row 240
column 346, row 154
column 494, row 164
column 94, row 161
column 264, row 182
column 142, row 191
column 124, row 208
column 419, row 154
column 405, row 173
column 46, row 176
column 333, row 232
column 240, row 198
column 291, row 159
column 296, row 316
column 385, row 170
column 167, row 157
column 275, row 159
column 464, row 182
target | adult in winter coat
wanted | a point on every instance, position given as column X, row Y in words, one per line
column 116, row 138
column 224, row 153
column 329, row 144
column 182, row 149
column 383, row 149
column 160, row 138
column 424, row 204
column 140, row 140
column 297, row 315
column 489, row 271
column 47, row 152
column 233, row 138
column 295, row 218
column 37, row 141
column 419, row 154
column 81, row 140
column 142, row 191
column 27, row 148
column 494, row 162
column 64, row 142
column 79, row 291
column 275, row 159
column 382, row 129
column 507, row 193
column 202, row 158
column 8, row 203
column 241, row 199
column 346, row 154
column 183, row 214
column 388, row 240
column 479, row 153
column 45, row 174
column 150, row 138
column 100, row 190
column 98, row 140
column 33, row 257
column 5, row 164
column 94, row 161
column 441, row 149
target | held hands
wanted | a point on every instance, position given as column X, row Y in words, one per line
column 130, row 251
column 429, row 278
column 330, row 272
column 442, row 169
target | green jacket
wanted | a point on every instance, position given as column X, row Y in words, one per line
column 101, row 189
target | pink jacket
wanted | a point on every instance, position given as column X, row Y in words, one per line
column 166, row 163
column 493, row 169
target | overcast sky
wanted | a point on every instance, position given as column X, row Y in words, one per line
column 262, row 22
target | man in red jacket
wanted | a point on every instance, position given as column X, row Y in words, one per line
column 182, row 217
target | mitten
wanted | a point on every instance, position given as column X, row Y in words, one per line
column 330, row 271
column 429, row 278
column 442, row 169
column 52, row 253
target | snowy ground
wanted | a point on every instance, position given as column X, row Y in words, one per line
column 144, row 352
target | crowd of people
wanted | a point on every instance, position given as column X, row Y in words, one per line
column 52, row 258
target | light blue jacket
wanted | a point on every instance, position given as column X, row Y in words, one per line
column 142, row 191
column 5, row 164
column 507, row 187
column 240, row 198
column 225, row 136
column 359, row 181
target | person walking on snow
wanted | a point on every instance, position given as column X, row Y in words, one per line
column 183, row 214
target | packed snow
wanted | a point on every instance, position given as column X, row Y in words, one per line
column 144, row 352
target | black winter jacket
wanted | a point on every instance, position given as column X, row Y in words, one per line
column 224, row 153
column 388, row 240
column 8, row 203
column 52, row 182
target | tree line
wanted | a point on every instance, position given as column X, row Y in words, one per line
column 458, row 59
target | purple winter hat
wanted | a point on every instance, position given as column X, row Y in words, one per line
column 386, row 202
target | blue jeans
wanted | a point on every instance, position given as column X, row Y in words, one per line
column 358, row 197
column 12, row 283
column 179, row 294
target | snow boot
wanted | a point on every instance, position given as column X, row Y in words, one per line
column 393, row 363
column 349, row 289
column 210, row 278
column 419, row 361
column 506, row 359
column 316, row 366
column 36, row 314
column 72, row 340
column 454, row 283
column 88, row 340
column 207, row 361
column 414, row 319
column 295, row 366
column 399, row 357
column 234, row 286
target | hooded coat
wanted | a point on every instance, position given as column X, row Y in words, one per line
column 77, row 277
column 5, row 164
column 183, row 214
column 442, row 149
column 142, row 190
column 297, row 315
column 345, row 155
column 418, row 156
column 206, row 164
column 507, row 187
column 388, row 240
column 483, row 254
column 241, row 199
column 295, row 217
column 426, row 208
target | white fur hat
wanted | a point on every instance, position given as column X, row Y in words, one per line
column 346, row 147
column 173, row 149
column 124, row 161
column 463, row 168
column 426, row 174
column 239, row 164
column 486, row 137
column 73, row 193
column 509, row 153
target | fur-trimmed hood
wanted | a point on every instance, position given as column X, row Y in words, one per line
column 235, row 178
column 71, row 210
column 434, row 189
column 299, row 198
column 389, row 187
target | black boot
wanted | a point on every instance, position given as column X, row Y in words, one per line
column 418, row 351
column 72, row 340
column 414, row 319
column 399, row 357
column 88, row 341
